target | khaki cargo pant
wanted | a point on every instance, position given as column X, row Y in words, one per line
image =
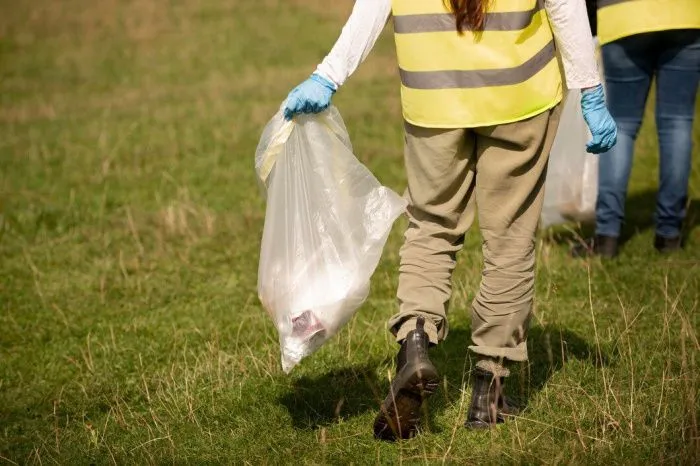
column 500, row 170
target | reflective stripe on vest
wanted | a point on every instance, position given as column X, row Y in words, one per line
column 462, row 79
column 505, row 73
column 622, row 18
column 441, row 22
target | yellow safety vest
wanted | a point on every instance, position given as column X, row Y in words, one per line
column 622, row 18
column 506, row 73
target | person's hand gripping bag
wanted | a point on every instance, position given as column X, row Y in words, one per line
column 327, row 220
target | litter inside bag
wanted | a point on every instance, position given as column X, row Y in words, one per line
column 572, row 176
column 327, row 220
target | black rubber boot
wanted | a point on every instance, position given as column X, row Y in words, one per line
column 488, row 407
column 665, row 245
column 416, row 379
column 603, row 246
column 505, row 407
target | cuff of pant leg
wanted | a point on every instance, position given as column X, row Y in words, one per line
column 493, row 365
column 519, row 353
column 609, row 232
column 666, row 235
column 410, row 324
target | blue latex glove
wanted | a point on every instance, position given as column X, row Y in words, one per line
column 311, row 96
column 602, row 126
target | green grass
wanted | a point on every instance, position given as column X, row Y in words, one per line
column 129, row 235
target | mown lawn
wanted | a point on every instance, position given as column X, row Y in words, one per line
column 130, row 224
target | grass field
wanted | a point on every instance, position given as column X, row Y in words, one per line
column 130, row 224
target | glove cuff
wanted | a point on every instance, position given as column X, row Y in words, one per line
column 593, row 99
column 324, row 82
column 597, row 88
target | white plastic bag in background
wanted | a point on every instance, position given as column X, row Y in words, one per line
column 326, row 223
column 572, row 176
column 571, row 188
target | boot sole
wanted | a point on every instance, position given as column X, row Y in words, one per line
column 479, row 425
column 400, row 412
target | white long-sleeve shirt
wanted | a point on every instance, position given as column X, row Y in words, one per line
column 568, row 18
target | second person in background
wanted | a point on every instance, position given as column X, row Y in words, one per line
column 480, row 91
column 642, row 40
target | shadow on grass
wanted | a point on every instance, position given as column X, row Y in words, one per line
column 322, row 400
column 549, row 347
column 639, row 217
column 319, row 401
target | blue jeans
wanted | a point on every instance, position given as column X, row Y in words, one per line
column 630, row 64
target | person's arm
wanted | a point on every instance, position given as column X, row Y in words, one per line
column 572, row 34
column 359, row 35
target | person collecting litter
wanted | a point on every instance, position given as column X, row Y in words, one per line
column 480, row 92
column 642, row 40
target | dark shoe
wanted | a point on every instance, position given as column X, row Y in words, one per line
column 488, row 407
column 666, row 245
column 505, row 407
column 416, row 379
column 603, row 246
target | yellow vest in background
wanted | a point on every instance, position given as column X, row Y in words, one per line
column 506, row 73
column 622, row 18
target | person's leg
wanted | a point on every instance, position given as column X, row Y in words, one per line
column 510, row 175
column 629, row 67
column 677, row 82
column 439, row 168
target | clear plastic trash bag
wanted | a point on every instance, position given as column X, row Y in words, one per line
column 327, row 220
column 571, row 187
